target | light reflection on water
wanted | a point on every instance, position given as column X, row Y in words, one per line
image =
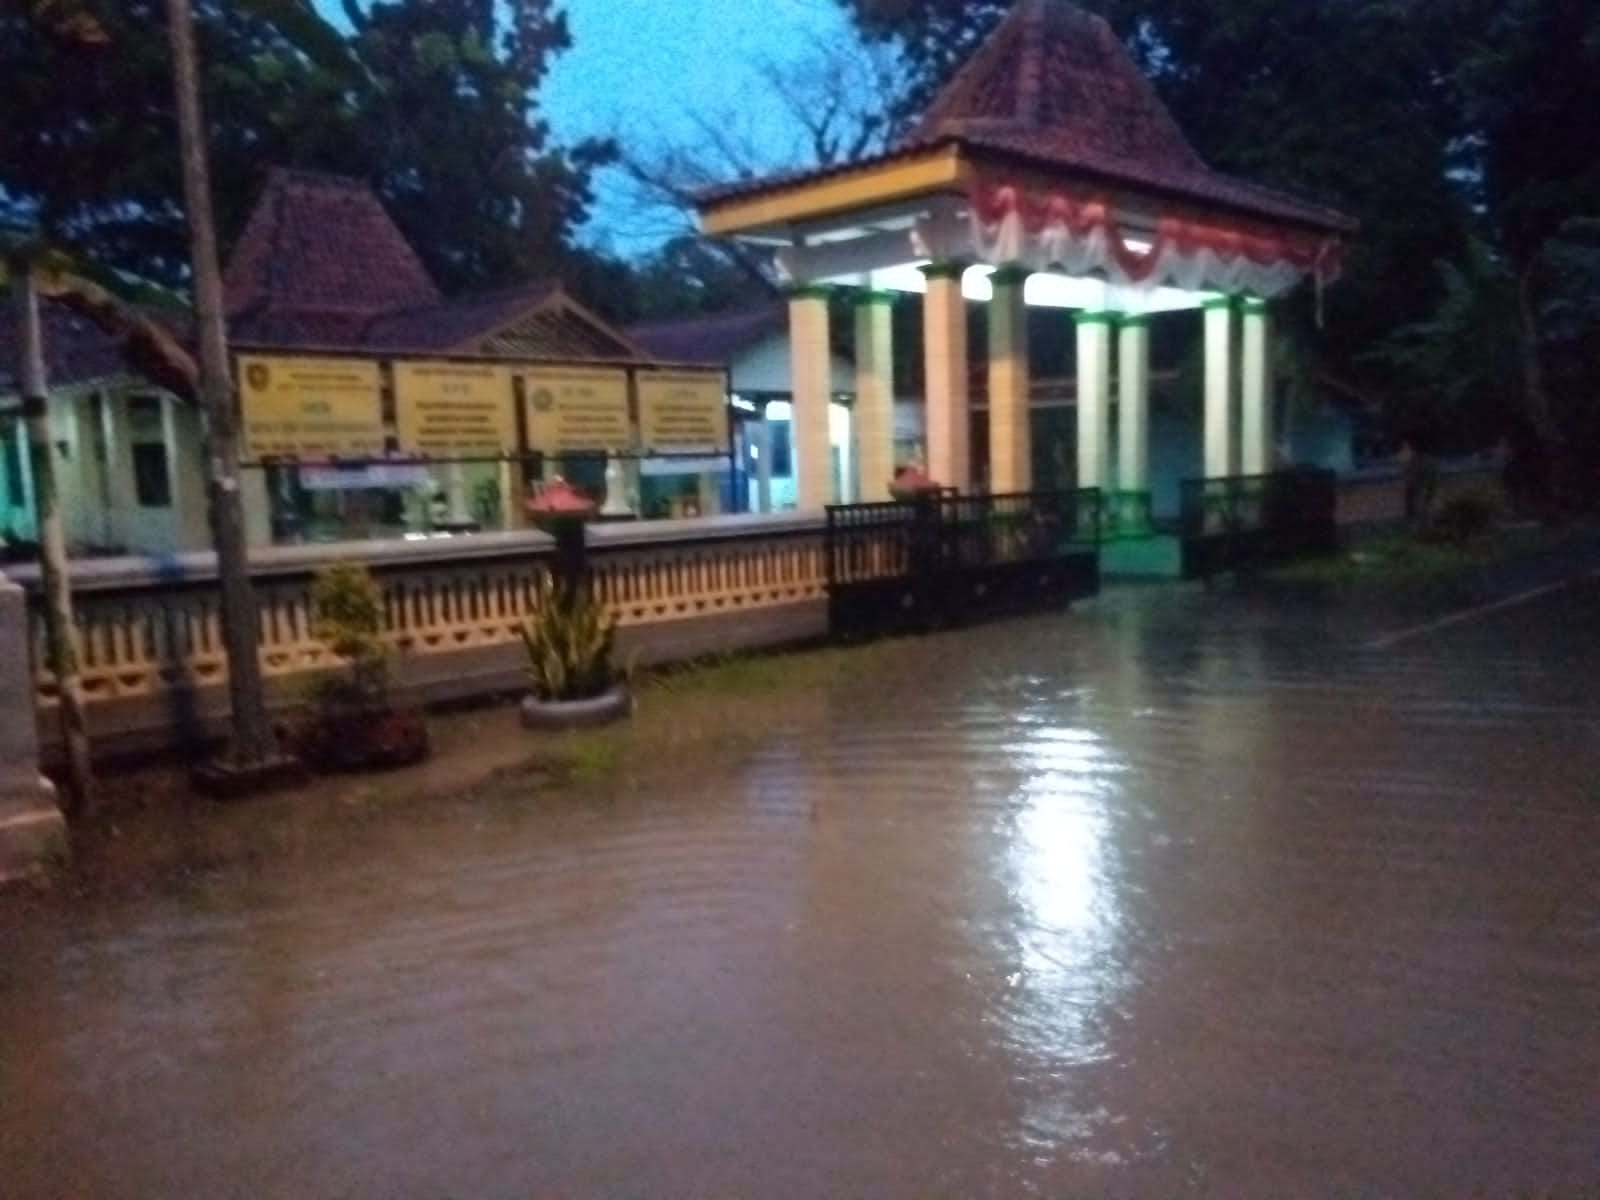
column 1071, row 969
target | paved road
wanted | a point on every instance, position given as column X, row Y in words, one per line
column 1185, row 893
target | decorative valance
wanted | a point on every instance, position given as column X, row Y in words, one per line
column 1080, row 235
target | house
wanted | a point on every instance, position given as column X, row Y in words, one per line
column 320, row 274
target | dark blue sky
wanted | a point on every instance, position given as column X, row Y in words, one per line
column 638, row 68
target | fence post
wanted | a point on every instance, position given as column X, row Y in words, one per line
column 33, row 833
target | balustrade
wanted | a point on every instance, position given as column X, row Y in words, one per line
column 146, row 628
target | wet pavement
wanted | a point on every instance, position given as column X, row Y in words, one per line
column 1184, row 893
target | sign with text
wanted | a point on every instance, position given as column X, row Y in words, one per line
column 310, row 408
column 576, row 409
column 454, row 410
column 683, row 412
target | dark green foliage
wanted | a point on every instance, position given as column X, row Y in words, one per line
column 1462, row 519
column 347, row 614
column 571, row 643
column 433, row 101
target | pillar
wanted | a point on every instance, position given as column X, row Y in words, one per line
column 1256, row 432
column 762, row 441
column 944, row 341
column 811, row 381
column 32, row 831
column 874, row 413
column 1094, row 397
column 1010, row 442
column 1220, row 458
column 1133, row 420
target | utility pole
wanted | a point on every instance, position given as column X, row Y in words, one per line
column 254, row 744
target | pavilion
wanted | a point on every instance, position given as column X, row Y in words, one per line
column 1047, row 173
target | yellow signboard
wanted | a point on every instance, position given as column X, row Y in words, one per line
column 683, row 412
column 573, row 409
column 454, row 410
column 310, row 408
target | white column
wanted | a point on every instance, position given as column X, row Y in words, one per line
column 874, row 413
column 811, row 383
column 1094, row 397
column 1010, row 444
column 1133, row 411
column 1255, row 390
column 1220, row 453
column 944, row 341
column 761, row 439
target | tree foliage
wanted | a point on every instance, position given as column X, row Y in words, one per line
column 433, row 101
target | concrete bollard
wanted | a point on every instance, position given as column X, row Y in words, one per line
column 33, row 834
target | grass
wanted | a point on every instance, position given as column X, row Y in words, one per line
column 1398, row 558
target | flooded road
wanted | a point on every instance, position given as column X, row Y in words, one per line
column 1179, row 894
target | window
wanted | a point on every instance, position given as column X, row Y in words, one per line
column 152, row 479
column 152, row 483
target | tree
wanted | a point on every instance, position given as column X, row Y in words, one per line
column 835, row 99
column 934, row 36
column 449, row 130
column 1528, row 75
column 87, row 137
column 433, row 101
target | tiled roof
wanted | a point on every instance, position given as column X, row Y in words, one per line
column 1059, row 80
column 1054, row 85
column 1054, row 88
column 75, row 350
column 713, row 340
column 318, row 259
column 454, row 323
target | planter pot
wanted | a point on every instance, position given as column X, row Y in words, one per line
column 614, row 703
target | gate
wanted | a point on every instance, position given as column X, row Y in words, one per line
column 943, row 559
column 1237, row 522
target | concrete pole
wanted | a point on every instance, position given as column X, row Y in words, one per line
column 33, row 833
column 1133, row 415
column 811, row 381
column 1010, row 435
column 1220, row 456
column 944, row 340
column 1256, row 431
column 1094, row 397
column 874, row 414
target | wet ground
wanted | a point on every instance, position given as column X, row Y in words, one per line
column 1183, row 893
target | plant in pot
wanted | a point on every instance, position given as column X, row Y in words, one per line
column 351, row 720
column 911, row 482
column 574, row 679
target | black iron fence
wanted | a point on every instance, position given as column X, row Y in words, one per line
column 943, row 559
column 1241, row 521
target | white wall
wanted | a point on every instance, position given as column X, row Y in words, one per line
column 764, row 367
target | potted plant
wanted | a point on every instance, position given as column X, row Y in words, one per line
column 351, row 721
column 574, row 679
column 911, row 482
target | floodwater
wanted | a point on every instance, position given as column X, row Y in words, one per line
column 1183, row 893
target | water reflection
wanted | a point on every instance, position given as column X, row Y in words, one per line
column 1071, row 967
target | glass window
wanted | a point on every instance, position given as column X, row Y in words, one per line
column 152, row 483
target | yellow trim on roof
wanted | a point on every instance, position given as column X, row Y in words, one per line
column 884, row 182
